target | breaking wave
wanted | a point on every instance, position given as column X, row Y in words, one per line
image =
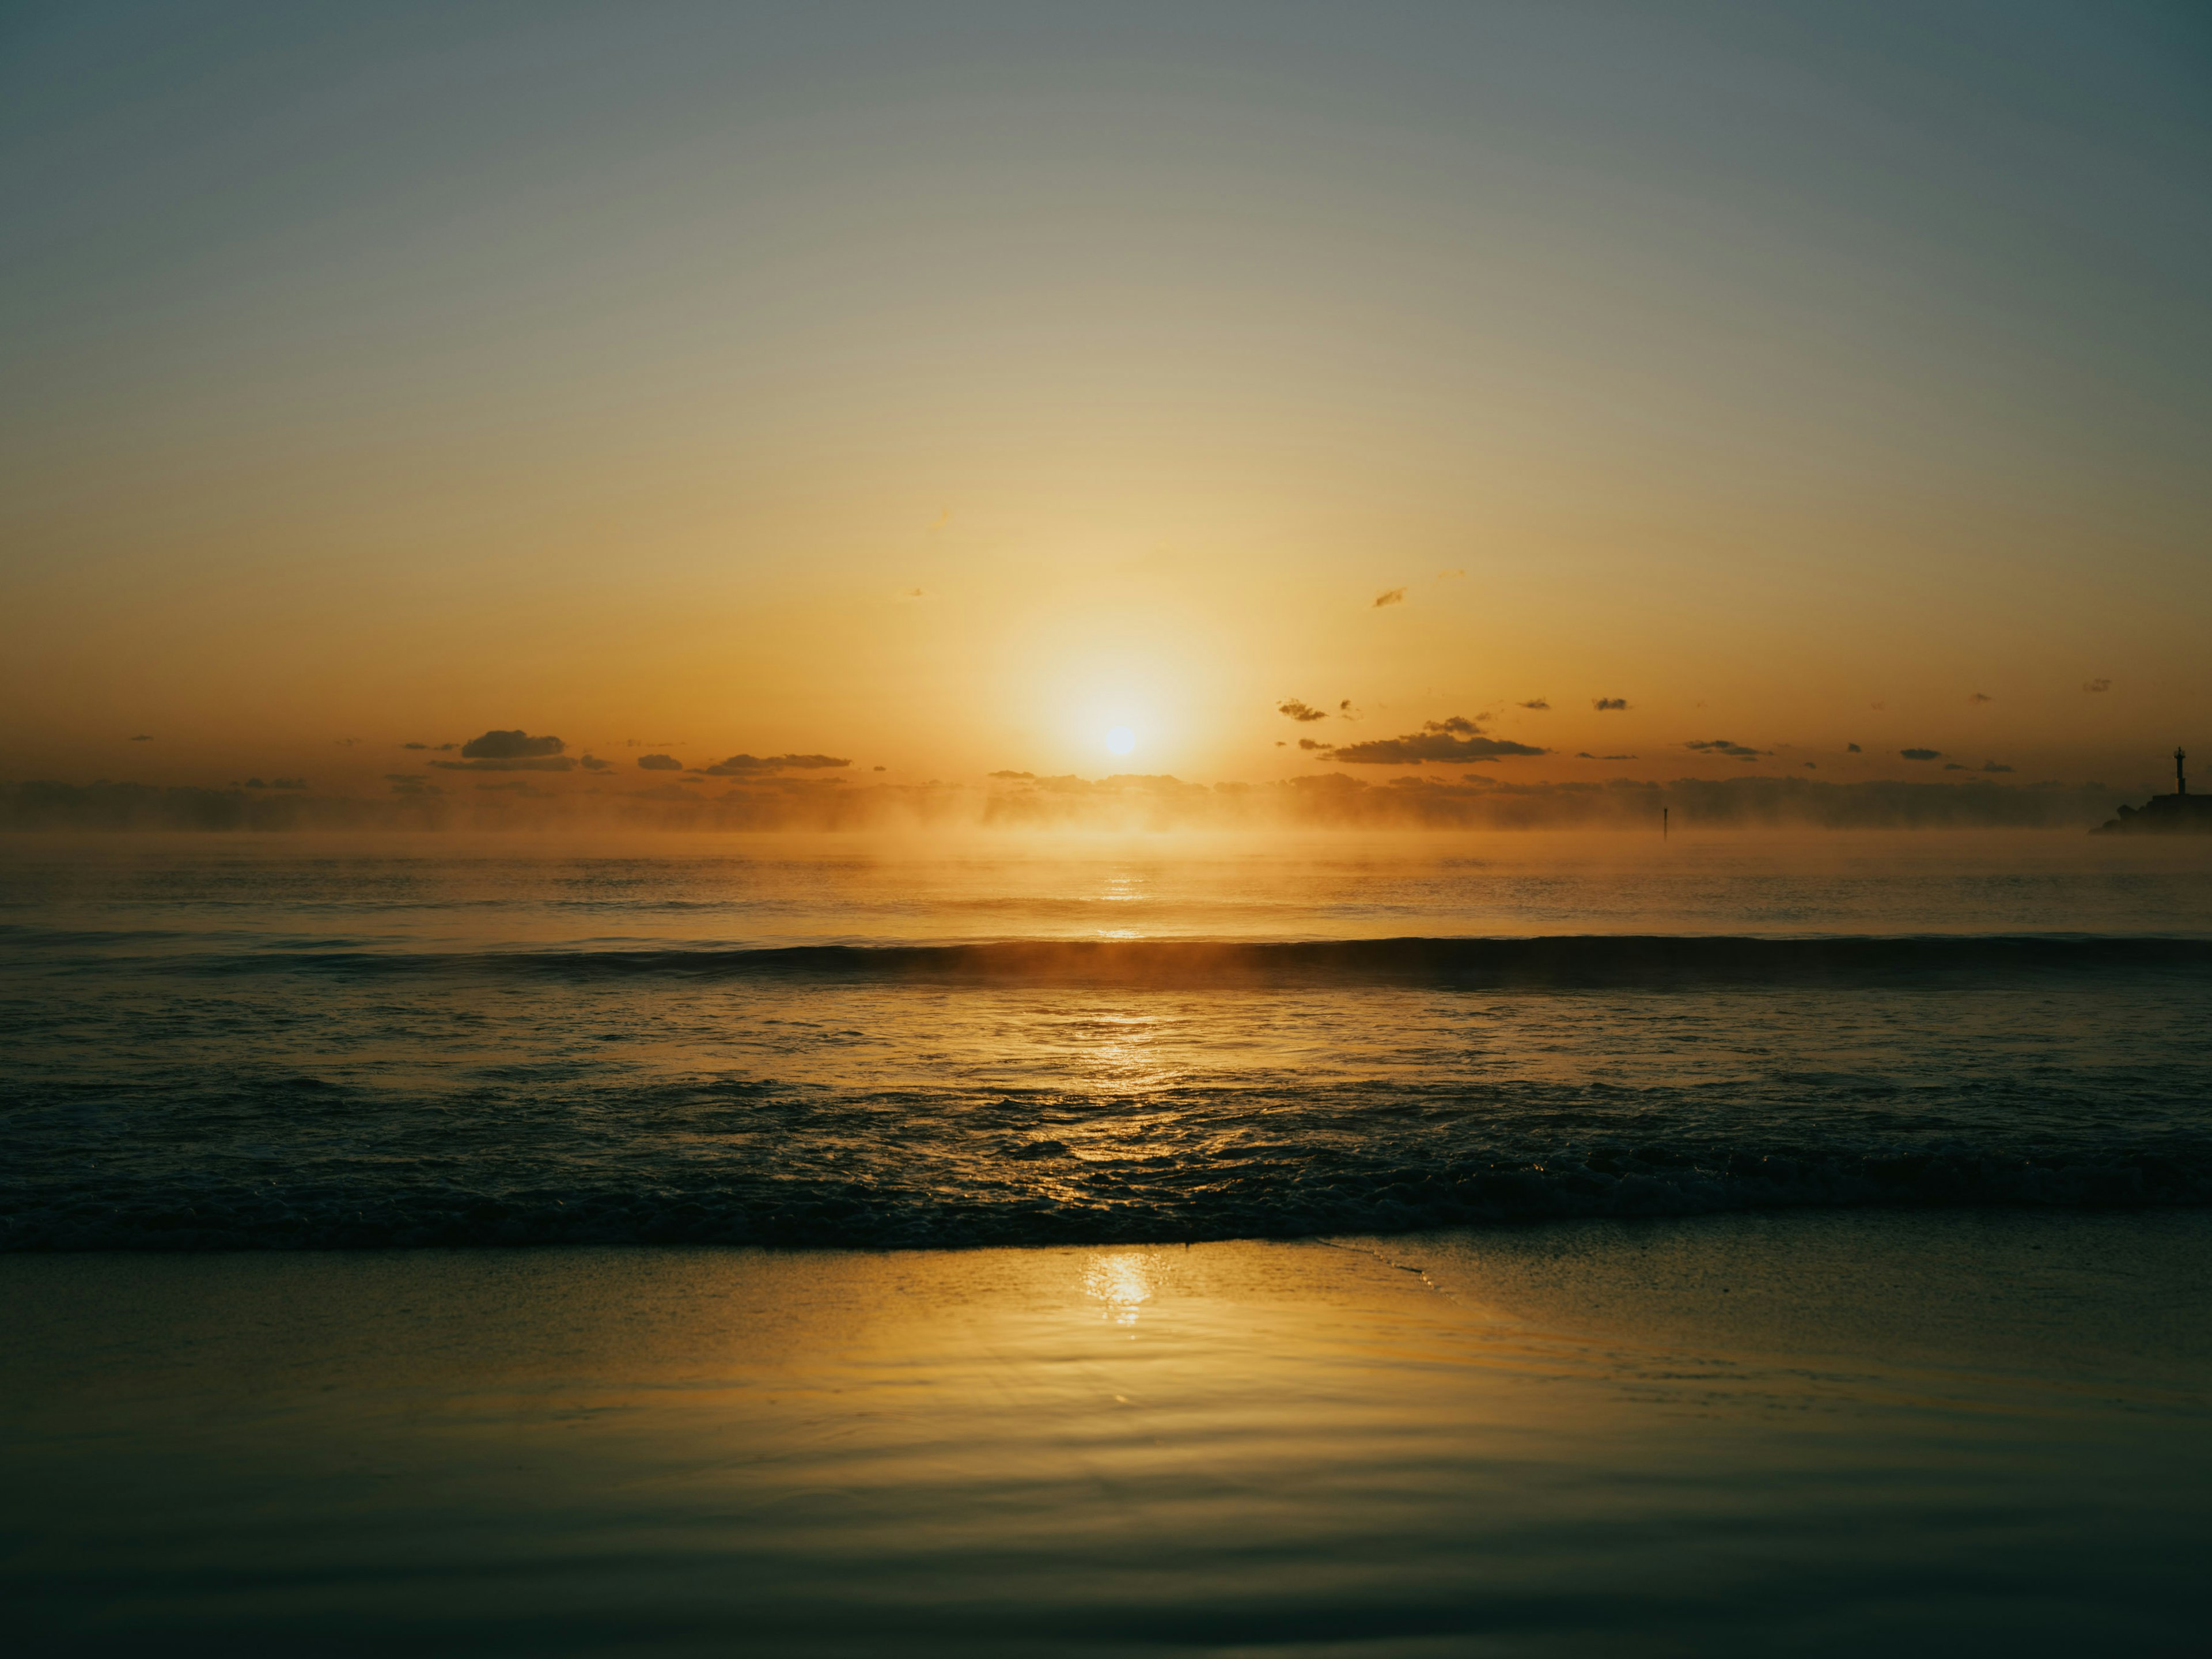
column 1569, row 960
column 1295, row 1198
column 194, row 1092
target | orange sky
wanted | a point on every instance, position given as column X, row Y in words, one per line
column 937, row 388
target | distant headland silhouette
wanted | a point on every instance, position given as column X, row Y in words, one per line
column 2178, row 814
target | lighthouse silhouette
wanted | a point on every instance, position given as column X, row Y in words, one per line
column 2179, row 813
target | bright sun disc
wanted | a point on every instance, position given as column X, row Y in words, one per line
column 1120, row 740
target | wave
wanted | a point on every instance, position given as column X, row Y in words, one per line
column 1315, row 1198
column 1558, row 961
column 383, row 1104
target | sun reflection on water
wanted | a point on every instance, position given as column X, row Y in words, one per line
column 1122, row 1282
column 1121, row 1051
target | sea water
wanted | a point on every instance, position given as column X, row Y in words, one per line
column 240, row 1041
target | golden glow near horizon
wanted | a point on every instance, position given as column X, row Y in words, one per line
column 939, row 397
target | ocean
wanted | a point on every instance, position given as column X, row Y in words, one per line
column 1365, row 1247
column 226, row 1043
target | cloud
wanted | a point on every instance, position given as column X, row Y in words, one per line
column 1586, row 755
column 414, row 745
column 1994, row 766
column 1921, row 753
column 1301, row 712
column 593, row 763
column 405, row 783
column 1722, row 746
column 510, row 746
column 1537, row 704
column 2097, row 685
column 1981, row 697
column 1953, row 766
column 1308, row 742
column 754, row 766
column 275, row 783
column 438, row 749
column 1851, row 748
column 509, row 751
column 876, row 768
column 1602, row 704
column 1014, row 775
column 143, row 737
column 660, row 762
column 1454, row 739
column 1393, row 596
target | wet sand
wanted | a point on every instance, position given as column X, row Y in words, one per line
column 1813, row 1433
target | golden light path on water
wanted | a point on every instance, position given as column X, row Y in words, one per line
column 1122, row 1281
column 1417, row 1439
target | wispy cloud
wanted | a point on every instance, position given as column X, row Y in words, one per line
column 1921, row 753
column 1733, row 750
column 1300, row 712
column 2097, row 685
column 1604, row 704
column 1457, row 739
column 1389, row 596
column 756, row 766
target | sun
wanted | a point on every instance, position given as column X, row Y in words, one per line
column 1120, row 740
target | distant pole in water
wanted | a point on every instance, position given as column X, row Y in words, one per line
column 2180, row 777
column 1662, row 823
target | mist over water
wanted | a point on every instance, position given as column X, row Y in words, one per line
column 229, row 1041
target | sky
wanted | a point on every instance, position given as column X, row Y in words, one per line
column 1694, row 391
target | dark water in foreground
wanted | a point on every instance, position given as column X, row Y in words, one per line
column 235, row 1043
column 1969, row 1432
